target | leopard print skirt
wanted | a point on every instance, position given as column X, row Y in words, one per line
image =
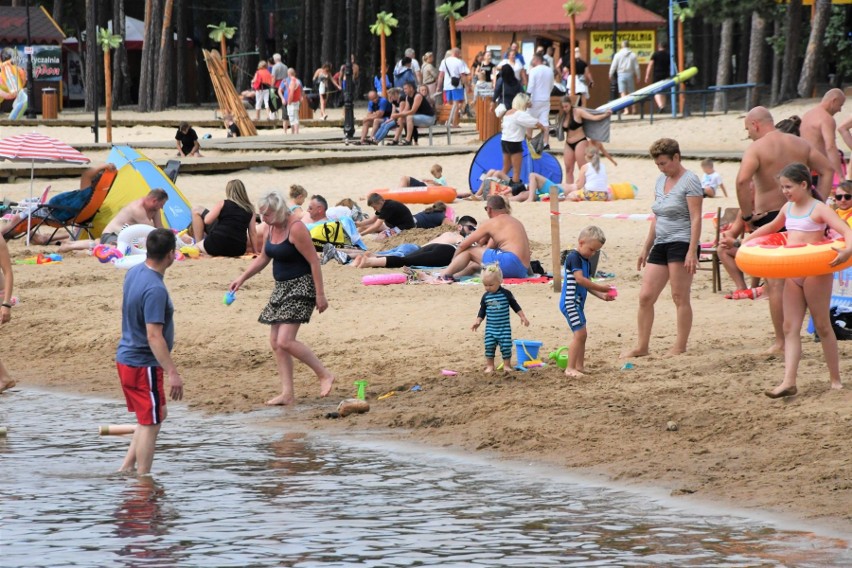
column 292, row 301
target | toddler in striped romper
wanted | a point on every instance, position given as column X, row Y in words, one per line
column 494, row 308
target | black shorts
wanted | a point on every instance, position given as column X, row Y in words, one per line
column 414, row 182
column 665, row 253
column 765, row 220
column 511, row 147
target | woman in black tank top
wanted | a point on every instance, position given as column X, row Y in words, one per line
column 227, row 228
column 416, row 112
column 298, row 290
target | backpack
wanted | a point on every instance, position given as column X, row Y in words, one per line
column 65, row 206
column 407, row 76
column 330, row 232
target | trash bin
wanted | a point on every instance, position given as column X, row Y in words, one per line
column 49, row 103
column 487, row 123
column 305, row 110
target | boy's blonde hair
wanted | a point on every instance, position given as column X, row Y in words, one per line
column 437, row 170
column 491, row 274
column 592, row 232
column 707, row 163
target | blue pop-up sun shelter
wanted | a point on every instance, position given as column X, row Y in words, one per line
column 138, row 175
column 490, row 157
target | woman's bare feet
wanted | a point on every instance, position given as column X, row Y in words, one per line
column 777, row 348
column 281, row 400
column 326, row 384
column 675, row 351
column 781, row 391
column 634, row 353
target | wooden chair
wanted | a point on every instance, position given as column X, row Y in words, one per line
column 724, row 217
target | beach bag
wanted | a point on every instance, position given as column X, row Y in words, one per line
column 501, row 108
column 331, row 232
column 69, row 203
column 841, row 323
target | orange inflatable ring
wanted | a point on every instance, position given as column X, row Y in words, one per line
column 425, row 195
column 772, row 257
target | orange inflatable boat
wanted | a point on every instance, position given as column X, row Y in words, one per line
column 772, row 257
column 426, row 195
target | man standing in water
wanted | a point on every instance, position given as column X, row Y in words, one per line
column 144, row 351
column 758, row 192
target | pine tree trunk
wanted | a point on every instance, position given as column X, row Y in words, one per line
column 163, row 83
column 790, row 67
column 723, row 69
column 426, row 12
column 304, row 29
column 441, row 39
column 472, row 6
column 91, row 60
column 108, row 94
column 755, row 58
column 807, row 81
column 246, row 70
column 327, row 33
column 149, row 55
column 777, row 58
column 180, row 47
column 57, row 12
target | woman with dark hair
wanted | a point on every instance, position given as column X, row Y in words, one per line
column 670, row 252
column 506, row 88
column 570, row 121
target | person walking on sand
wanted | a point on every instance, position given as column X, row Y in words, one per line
column 818, row 127
column 298, row 290
column 624, row 67
column 144, row 350
column 6, row 381
column 670, row 252
column 757, row 189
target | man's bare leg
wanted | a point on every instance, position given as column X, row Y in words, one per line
column 141, row 452
column 6, row 381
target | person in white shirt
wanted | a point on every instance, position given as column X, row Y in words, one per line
column 415, row 66
column 453, row 74
column 516, row 122
column 625, row 66
column 514, row 61
column 539, row 88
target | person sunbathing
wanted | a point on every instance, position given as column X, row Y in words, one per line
column 436, row 253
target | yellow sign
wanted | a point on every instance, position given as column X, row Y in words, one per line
column 642, row 43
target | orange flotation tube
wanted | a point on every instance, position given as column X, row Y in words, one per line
column 425, row 195
column 772, row 257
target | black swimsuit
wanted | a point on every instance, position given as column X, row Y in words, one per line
column 573, row 125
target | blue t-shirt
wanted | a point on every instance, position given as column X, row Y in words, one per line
column 382, row 104
column 571, row 291
column 146, row 300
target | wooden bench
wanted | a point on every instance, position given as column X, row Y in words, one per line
column 444, row 116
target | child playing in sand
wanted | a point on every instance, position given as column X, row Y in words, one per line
column 494, row 307
column 805, row 219
column 437, row 179
column 843, row 201
column 576, row 284
column 711, row 181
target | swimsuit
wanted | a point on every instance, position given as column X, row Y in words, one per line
column 573, row 125
column 802, row 222
column 510, row 264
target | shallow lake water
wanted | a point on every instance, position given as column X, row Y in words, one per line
column 228, row 492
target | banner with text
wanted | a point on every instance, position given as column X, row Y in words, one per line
column 47, row 63
column 642, row 43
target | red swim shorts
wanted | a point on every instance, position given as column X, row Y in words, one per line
column 143, row 390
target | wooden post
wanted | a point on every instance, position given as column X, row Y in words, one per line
column 555, row 247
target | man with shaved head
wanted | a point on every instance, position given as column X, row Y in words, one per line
column 818, row 127
column 759, row 195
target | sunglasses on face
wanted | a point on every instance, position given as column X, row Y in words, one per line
column 472, row 228
column 843, row 197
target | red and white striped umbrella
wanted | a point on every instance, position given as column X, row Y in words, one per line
column 35, row 147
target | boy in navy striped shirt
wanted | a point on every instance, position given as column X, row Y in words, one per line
column 576, row 284
column 494, row 307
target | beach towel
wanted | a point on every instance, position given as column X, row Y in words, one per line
column 597, row 130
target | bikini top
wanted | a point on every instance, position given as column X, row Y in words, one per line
column 572, row 123
column 802, row 222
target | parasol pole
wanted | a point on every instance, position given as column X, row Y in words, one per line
column 29, row 205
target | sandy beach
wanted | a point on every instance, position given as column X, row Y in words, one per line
column 733, row 445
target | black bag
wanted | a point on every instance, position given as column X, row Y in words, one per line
column 841, row 323
column 455, row 81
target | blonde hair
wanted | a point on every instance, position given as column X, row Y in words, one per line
column 593, row 157
column 491, row 274
column 262, row 65
column 707, row 163
column 274, row 203
column 592, row 232
column 235, row 190
column 520, row 101
column 297, row 190
column 346, row 202
column 437, row 170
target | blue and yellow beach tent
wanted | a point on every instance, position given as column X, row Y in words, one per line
column 137, row 175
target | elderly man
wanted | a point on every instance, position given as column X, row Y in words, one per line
column 758, row 194
column 415, row 65
column 378, row 111
column 818, row 127
column 502, row 239
column 625, row 66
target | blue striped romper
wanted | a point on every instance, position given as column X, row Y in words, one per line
column 573, row 296
column 494, row 309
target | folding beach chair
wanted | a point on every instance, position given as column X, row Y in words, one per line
column 73, row 219
column 172, row 169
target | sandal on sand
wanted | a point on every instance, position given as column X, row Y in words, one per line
column 361, row 143
column 392, row 143
column 405, row 142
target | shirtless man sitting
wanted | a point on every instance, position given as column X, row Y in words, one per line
column 506, row 240
column 818, row 127
column 142, row 211
column 758, row 193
